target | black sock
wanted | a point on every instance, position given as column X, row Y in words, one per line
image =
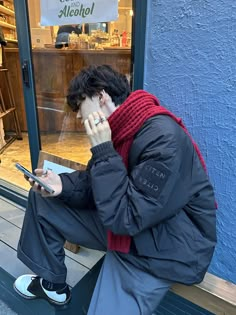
column 50, row 286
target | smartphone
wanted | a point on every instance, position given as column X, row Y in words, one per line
column 34, row 177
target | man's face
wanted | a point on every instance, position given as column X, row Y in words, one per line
column 101, row 102
column 88, row 106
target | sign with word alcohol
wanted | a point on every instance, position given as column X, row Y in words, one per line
column 62, row 12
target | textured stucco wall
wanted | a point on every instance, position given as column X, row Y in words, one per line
column 191, row 66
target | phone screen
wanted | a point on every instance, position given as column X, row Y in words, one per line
column 34, row 177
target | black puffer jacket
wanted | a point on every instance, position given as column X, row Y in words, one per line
column 164, row 201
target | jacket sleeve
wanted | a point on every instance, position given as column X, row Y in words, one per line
column 153, row 191
column 76, row 189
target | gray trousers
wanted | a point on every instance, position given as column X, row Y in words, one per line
column 121, row 288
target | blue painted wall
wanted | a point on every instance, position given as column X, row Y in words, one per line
column 190, row 66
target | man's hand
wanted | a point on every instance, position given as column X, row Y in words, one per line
column 50, row 178
column 97, row 128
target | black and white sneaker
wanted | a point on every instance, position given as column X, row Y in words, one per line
column 30, row 287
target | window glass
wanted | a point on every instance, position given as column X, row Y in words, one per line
column 59, row 52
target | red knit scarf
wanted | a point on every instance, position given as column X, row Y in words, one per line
column 125, row 122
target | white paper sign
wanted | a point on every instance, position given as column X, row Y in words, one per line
column 60, row 12
column 56, row 168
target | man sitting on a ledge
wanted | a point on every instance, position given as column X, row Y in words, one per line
column 145, row 198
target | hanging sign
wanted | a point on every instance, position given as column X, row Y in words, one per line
column 62, row 12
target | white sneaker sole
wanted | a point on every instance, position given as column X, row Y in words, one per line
column 23, row 295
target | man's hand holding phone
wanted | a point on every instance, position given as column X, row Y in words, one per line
column 46, row 182
column 49, row 178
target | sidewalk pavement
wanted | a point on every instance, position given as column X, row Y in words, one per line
column 5, row 310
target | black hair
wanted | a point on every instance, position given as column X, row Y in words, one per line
column 92, row 80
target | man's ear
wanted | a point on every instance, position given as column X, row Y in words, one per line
column 103, row 98
column 100, row 97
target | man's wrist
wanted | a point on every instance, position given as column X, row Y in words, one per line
column 103, row 150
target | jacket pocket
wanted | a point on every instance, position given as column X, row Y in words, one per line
column 173, row 239
column 177, row 233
